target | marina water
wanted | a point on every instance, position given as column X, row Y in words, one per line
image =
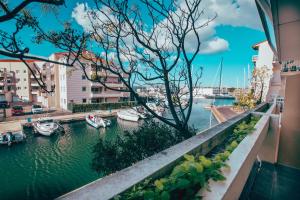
column 47, row 167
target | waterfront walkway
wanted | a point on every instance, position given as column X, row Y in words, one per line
column 223, row 113
column 16, row 125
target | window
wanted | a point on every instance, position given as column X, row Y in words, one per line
column 17, row 71
column 83, row 77
column 83, row 89
column 24, row 71
column 19, row 88
column 25, row 87
column 17, row 79
column 65, row 101
column 83, row 100
column 96, row 90
column 24, row 79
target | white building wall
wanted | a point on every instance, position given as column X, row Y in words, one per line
column 265, row 58
column 63, row 87
column 75, row 85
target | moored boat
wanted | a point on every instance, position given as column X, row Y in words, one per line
column 157, row 109
column 127, row 115
column 46, row 127
column 10, row 137
column 97, row 121
column 138, row 110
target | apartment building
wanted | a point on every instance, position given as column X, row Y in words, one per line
column 7, row 85
column 71, row 85
column 27, row 89
column 75, row 88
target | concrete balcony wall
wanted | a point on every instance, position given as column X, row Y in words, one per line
column 262, row 143
column 161, row 163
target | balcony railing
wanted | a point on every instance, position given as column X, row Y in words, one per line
column 240, row 160
column 107, row 94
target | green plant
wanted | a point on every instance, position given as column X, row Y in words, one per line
column 193, row 173
column 245, row 101
column 99, row 106
column 128, row 148
column 184, row 180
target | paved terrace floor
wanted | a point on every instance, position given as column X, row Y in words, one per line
column 275, row 182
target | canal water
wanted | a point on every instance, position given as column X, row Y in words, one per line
column 46, row 167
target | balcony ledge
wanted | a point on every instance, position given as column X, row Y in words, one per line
column 158, row 164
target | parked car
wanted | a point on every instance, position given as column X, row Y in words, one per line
column 36, row 109
column 4, row 104
column 17, row 110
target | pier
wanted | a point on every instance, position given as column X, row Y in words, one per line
column 223, row 113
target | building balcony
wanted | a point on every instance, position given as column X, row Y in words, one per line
column 108, row 74
column 36, row 92
column 112, row 85
column 254, row 58
column 34, row 84
column 108, row 94
column 8, row 84
column 262, row 142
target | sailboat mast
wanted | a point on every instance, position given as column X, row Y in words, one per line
column 220, row 82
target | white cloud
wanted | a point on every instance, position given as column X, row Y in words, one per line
column 237, row 13
column 214, row 45
column 79, row 14
column 241, row 13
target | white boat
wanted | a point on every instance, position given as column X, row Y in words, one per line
column 46, row 127
column 127, row 115
column 12, row 137
column 138, row 110
column 97, row 121
column 157, row 109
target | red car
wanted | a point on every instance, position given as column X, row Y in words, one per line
column 17, row 110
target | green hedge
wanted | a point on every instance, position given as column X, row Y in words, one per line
column 99, row 106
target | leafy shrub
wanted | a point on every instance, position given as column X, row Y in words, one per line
column 191, row 174
column 99, row 106
column 130, row 147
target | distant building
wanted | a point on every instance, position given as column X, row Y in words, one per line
column 7, row 85
column 26, row 87
column 74, row 87
column 264, row 58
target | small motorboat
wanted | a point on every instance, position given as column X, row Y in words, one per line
column 97, row 121
column 138, row 110
column 12, row 137
column 46, row 127
column 128, row 115
column 155, row 108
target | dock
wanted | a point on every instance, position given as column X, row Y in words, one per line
column 223, row 113
column 17, row 125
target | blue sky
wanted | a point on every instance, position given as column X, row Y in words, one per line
column 230, row 36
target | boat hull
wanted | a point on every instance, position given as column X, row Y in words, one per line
column 12, row 137
column 44, row 130
column 128, row 116
column 93, row 124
